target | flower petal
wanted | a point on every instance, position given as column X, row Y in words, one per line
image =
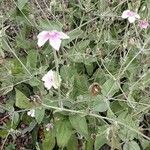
column 28, row 113
column 63, row 35
column 51, row 79
column 55, row 43
column 32, row 113
column 42, row 38
column 48, row 85
column 47, row 76
column 143, row 24
column 43, row 33
column 48, row 79
column 131, row 19
column 137, row 16
column 125, row 14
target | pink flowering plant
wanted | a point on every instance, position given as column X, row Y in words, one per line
column 74, row 75
column 54, row 37
column 130, row 15
column 143, row 24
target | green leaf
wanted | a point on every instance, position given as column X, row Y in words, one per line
column 89, row 68
column 110, row 87
column 22, row 3
column 68, row 72
column 16, row 67
column 32, row 59
column 127, row 119
column 131, row 145
column 10, row 147
column 39, row 114
column 49, row 140
column 82, row 45
column 115, row 107
column 80, row 124
column 73, row 143
column 50, row 25
column 3, row 133
column 99, row 76
column 7, row 90
column 22, row 101
column 100, row 141
column 100, row 104
column 73, row 35
column 145, row 144
column 89, row 144
column 80, row 86
column 34, row 82
column 63, row 132
column 23, row 43
column 15, row 117
column 101, row 137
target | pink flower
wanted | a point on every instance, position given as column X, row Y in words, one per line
column 53, row 36
column 143, row 24
column 132, row 16
column 51, row 79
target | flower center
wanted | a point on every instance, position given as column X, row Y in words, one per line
column 53, row 34
column 51, row 79
column 131, row 14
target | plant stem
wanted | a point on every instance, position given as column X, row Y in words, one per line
column 57, row 70
column 96, row 116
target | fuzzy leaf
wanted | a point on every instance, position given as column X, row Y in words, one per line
column 39, row 114
column 22, row 101
column 73, row 35
column 15, row 117
column 131, row 145
column 22, row 3
column 80, row 124
column 50, row 25
column 32, row 59
column 110, row 87
column 100, row 105
column 100, row 141
column 49, row 140
column 63, row 132
column 3, row 133
column 73, row 143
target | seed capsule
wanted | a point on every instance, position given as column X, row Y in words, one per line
column 95, row 89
